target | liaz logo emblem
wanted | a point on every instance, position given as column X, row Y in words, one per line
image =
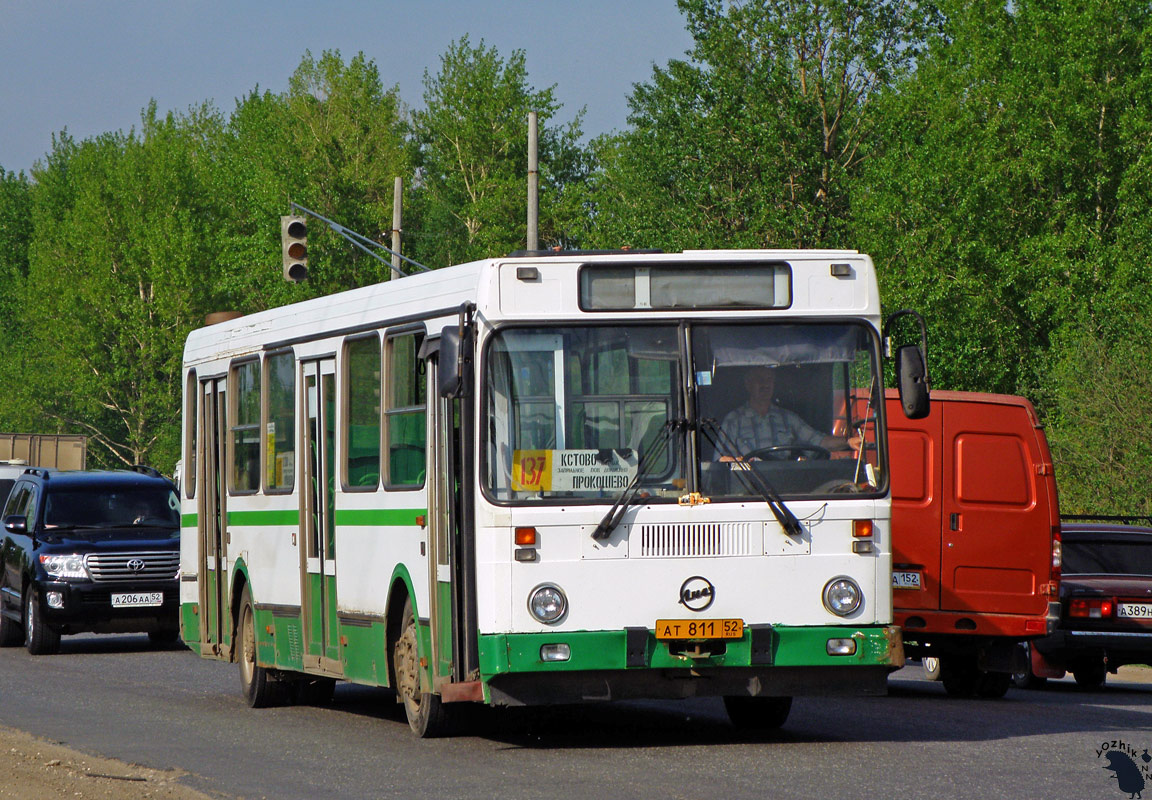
column 697, row 593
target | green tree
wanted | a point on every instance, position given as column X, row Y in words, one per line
column 15, row 234
column 1012, row 194
column 333, row 143
column 755, row 141
column 472, row 137
column 115, row 282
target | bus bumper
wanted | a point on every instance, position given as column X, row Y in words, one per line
column 769, row 661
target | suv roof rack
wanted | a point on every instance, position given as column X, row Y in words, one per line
column 144, row 469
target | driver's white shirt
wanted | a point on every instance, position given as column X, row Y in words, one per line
column 751, row 431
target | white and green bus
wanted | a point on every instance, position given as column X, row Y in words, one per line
column 549, row 478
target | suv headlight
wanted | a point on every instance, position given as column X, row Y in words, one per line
column 64, row 566
column 842, row 596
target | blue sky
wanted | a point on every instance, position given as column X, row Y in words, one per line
column 92, row 66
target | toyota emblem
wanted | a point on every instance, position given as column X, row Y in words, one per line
column 136, row 564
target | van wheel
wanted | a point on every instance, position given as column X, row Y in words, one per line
column 427, row 716
column 960, row 676
column 993, row 684
column 757, row 713
column 257, row 683
column 39, row 638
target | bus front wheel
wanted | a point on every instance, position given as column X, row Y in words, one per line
column 425, row 712
column 757, row 713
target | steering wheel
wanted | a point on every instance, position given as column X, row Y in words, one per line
column 791, row 452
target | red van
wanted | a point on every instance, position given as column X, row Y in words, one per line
column 975, row 535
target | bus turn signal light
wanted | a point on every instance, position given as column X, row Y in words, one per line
column 862, row 528
column 525, row 537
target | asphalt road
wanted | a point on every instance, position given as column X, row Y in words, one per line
column 117, row 696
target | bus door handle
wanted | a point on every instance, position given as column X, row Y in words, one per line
column 955, row 521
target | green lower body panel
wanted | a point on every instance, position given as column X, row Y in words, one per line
column 190, row 623
column 767, row 661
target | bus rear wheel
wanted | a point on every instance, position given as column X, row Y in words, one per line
column 757, row 713
column 426, row 714
column 257, row 683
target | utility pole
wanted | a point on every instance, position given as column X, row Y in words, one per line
column 533, row 184
column 397, row 194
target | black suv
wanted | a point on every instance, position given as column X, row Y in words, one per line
column 89, row 551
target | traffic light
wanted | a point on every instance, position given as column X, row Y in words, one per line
column 294, row 244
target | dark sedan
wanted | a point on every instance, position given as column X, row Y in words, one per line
column 1105, row 606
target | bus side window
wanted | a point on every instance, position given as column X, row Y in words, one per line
column 280, row 456
column 362, row 404
column 244, row 427
column 405, row 415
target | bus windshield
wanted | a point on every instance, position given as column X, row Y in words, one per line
column 576, row 413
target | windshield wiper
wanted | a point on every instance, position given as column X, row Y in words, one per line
column 752, row 480
column 628, row 494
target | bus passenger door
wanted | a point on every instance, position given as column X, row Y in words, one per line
column 318, row 556
column 440, row 517
column 213, row 515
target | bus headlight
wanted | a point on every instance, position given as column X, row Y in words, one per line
column 547, row 603
column 842, row 596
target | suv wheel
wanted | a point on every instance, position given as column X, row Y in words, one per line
column 40, row 639
column 11, row 634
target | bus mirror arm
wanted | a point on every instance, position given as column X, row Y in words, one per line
column 911, row 367
column 912, row 381
column 450, row 373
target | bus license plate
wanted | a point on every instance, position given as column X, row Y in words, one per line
column 699, row 629
column 1136, row 610
column 137, row 599
column 905, row 580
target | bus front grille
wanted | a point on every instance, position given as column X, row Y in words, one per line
column 707, row 539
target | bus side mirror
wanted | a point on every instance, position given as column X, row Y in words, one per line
column 911, row 381
column 449, row 367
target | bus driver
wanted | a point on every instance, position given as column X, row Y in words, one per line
column 760, row 424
